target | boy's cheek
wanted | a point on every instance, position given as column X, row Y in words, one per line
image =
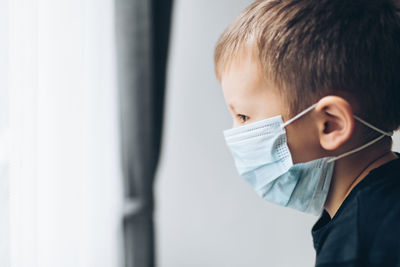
column 303, row 142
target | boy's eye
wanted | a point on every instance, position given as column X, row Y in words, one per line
column 243, row 118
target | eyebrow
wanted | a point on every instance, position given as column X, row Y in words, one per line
column 232, row 108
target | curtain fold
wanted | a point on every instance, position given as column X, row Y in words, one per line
column 142, row 31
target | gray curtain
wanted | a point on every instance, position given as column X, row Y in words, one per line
column 142, row 31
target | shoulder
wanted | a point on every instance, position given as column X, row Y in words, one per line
column 378, row 212
column 378, row 195
column 366, row 229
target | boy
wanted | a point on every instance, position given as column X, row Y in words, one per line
column 313, row 89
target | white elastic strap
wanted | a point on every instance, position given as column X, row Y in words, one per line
column 299, row 115
column 357, row 118
column 372, row 126
column 357, row 149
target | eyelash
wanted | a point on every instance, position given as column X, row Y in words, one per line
column 243, row 118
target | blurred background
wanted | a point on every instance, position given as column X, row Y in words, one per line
column 111, row 145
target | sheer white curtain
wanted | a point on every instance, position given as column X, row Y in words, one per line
column 64, row 178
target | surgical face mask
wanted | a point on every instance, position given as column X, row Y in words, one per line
column 263, row 159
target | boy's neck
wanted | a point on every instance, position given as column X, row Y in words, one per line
column 351, row 170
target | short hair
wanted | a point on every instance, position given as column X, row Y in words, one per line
column 312, row 48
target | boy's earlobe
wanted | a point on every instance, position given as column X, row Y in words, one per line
column 335, row 123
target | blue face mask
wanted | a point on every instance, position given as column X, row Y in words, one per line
column 263, row 159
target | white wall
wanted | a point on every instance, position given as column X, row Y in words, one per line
column 4, row 193
column 206, row 214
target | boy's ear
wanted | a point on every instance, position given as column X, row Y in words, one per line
column 335, row 121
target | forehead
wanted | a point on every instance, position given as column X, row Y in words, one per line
column 247, row 91
column 242, row 75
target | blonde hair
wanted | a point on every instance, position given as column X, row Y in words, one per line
column 312, row 48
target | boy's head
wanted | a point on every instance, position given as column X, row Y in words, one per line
column 283, row 56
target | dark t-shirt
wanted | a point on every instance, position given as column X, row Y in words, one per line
column 365, row 231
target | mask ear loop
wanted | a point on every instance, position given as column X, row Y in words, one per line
column 298, row 115
column 365, row 145
column 357, row 118
column 372, row 126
